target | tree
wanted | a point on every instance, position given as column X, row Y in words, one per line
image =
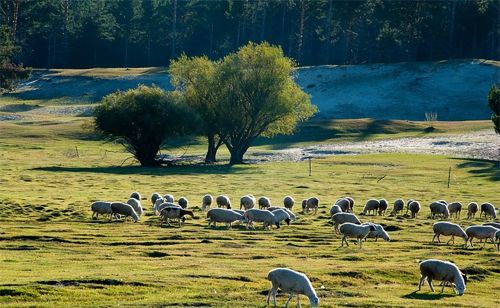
column 494, row 103
column 141, row 119
column 259, row 97
column 9, row 71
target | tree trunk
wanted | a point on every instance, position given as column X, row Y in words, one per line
column 212, row 149
column 301, row 32
column 146, row 156
column 174, row 29
column 126, row 52
column 237, row 151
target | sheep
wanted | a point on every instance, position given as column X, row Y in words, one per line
column 441, row 270
column 493, row 224
column 263, row 216
column 378, row 232
column 455, row 208
column 169, row 198
column 226, row 216
column 183, row 202
column 344, row 204
column 136, row 195
column 264, row 202
column 174, row 212
column 480, row 232
column 290, row 213
column 414, row 208
column 311, row 203
column 282, row 215
column 247, row 202
column 472, row 209
column 489, row 210
column 382, row 206
column 100, row 207
column 443, row 202
column 124, row 209
column 355, row 230
column 371, row 206
column 288, row 202
column 399, row 204
column 160, row 207
column 341, row 218
column 497, row 237
column 448, row 228
column 206, row 202
column 335, row 209
column 223, row 201
column 351, row 203
column 438, row 208
column 136, row 204
column 155, row 196
column 157, row 204
column 408, row 205
column 293, row 283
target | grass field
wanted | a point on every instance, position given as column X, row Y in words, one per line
column 53, row 254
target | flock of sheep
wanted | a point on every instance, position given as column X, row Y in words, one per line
column 344, row 222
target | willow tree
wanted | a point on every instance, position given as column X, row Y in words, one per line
column 259, row 97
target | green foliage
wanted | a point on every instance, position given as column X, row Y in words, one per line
column 9, row 72
column 494, row 103
column 141, row 119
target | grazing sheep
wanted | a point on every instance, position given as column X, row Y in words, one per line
column 489, row 210
column 169, row 198
column 183, row 202
column 158, row 202
column 282, row 215
column 100, row 207
column 378, row 232
column 226, row 216
column 408, row 205
column 493, row 224
column 344, row 204
column 497, row 237
column 472, row 209
column 447, row 229
column 263, row 216
column 481, row 233
column 443, row 202
column 414, row 208
column 264, row 202
column 290, row 213
column 398, row 207
column 155, row 196
column 136, row 204
column 124, row 209
column 354, row 230
column 304, row 202
column 135, row 195
column 223, row 201
column 438, row 208
column 288, row 202
column 455, row 208
column 371, row 206
column 351, row 203
column 247, row 202
column 341, row 218
column 311, row 203
column 206, row 202
column 444, row 271
column 382, row 206
column 335, row 209
column 174, row 212
column 160, row 207
column 293, row 283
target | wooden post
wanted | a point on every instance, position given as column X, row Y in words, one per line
column 310, row 165
column 449, row 177
column 77, row 154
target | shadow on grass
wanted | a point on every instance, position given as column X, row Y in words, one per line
column 488, row 169
column 427, row 296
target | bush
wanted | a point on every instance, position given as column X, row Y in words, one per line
column 494, row 103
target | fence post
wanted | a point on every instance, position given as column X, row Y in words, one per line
column 449, row 177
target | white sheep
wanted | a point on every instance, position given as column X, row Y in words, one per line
column 158, row 202
column 169, row 198
column 444, row 271
column 354, row 230
column 264, row 202
column 351, row 203
column 371, row 206
column 399, row 205
column 288, row 202
column 489, row 210
column 174, row 212
column 447, row 229
column 408, row 205
column 455, row 208
column 264, row 216
column 341, row 218
column 344, row 204
column 160, row 207
column 472, row 209
column 438, row 208
column 335, row 209
column 293, row 283
column 135, row 195
column 136, row 204
column 378, row 232
column 123, row 209
column 206, row 202
column 155, row 196
column 414, row 208
column 292, row 215
column 183, row 202
column 226, row 216
column 282, row 215
column 223, row 201
column 481, row 233
column 100, row 207
column 382, row 206
column 247, row 202
column 311, row 203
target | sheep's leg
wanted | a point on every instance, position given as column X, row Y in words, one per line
column 269, row 295
column 434, row 237
column 298, row 300
column 452, row 239
column 442, row 286
column 421, row 282
column 429, row 281
column 289, row 298
column 360, row 241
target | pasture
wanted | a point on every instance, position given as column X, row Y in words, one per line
column 52, row 253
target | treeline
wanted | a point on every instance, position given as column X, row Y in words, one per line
column 128, row 33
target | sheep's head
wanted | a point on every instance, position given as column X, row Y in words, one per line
column 314, row 301
column 277, row 224
column 287, row 221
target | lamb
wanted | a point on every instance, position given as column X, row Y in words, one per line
column 293, row 283
column 290, row 213
column 226, row 216
column 247, row 202
column 344, row 204
column 448, row 228
column 438, row 208
column 264, row 202
column 341, row 218
column 455, row 208
column 174, row 212
column 489, row 210
column 335, row 209
column 206, row 202
column 282, row 215
column 136, row 204
column 155, row 196
column 371, row 206
column 382, row 207
column 354, row 230
column 480, row 232
column 169, row 198
column 441, row 270
column 100, row 207
column 263, row 216
column 378, row 232
column 135, row 195
column 399, row 204
column 223, row 201
column 414, row 208
column 288, row 202
column 183, row 202
column 311, row 203
column 123, row 209
column 472, row 209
